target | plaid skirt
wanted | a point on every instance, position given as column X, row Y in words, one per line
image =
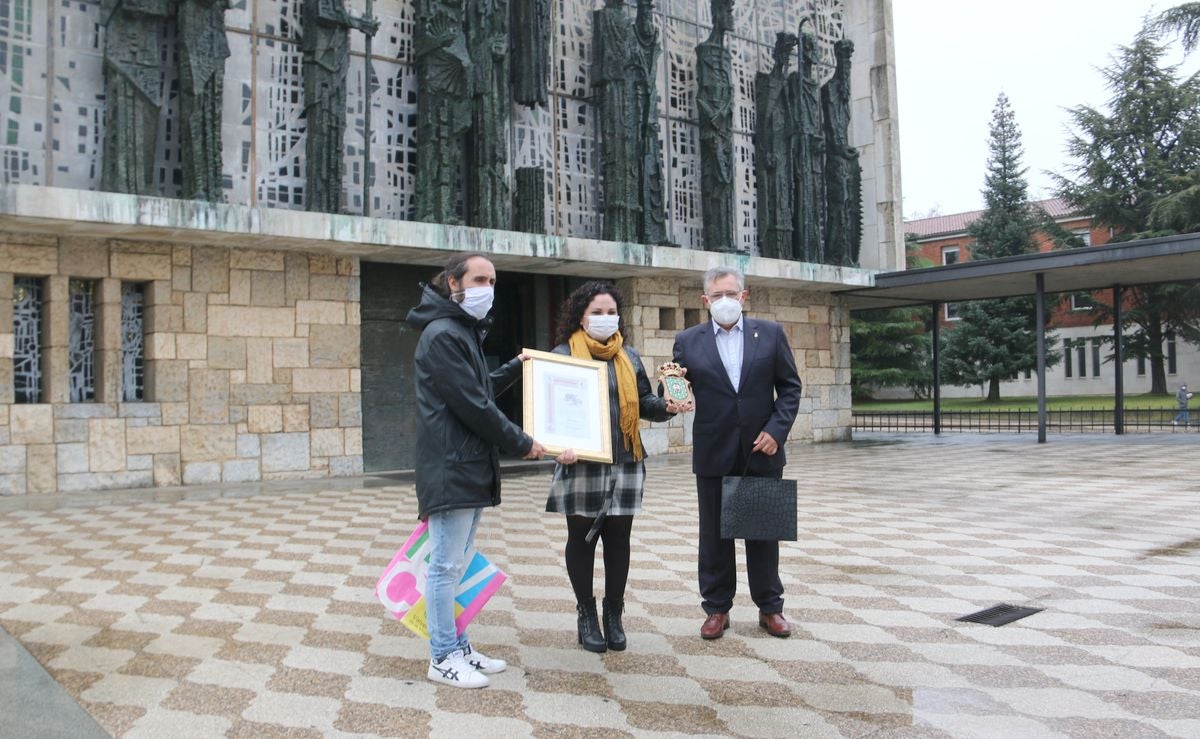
column 582, row 489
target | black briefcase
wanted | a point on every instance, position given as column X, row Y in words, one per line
column 758, row 508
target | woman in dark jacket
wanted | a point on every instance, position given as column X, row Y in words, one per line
column 459, row 431
column 597, row 497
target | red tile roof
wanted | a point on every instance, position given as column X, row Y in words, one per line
column 957, row 223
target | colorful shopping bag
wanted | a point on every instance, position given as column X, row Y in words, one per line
column 401, row 587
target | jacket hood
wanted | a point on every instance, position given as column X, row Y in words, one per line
column 433, row 307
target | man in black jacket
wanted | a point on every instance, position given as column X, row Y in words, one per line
column 459, row 434
column 747, row 391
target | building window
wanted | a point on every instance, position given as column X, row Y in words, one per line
column 1082, row 301
column 1171, row 366
column 1067, row 357
column 952, row 312
column 1141, row 366
column 1028, row 374
column 133, row 335
column 949, row 255
column 1085, row 236
column 1095, row 357
column 82, row 349
column 1081, row 356
column 27, row 347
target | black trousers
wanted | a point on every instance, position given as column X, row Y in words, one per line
column 718, row 557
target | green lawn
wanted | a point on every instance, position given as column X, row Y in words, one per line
column 1066, row 402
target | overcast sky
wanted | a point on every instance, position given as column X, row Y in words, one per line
column 953, row 57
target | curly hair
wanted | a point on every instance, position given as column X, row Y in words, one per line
column 570, row 316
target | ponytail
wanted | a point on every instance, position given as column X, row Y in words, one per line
column 456, row 268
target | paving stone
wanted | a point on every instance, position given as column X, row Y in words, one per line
column 250, row 611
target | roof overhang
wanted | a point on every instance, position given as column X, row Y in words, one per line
column 60, row 211
column 1142, row 262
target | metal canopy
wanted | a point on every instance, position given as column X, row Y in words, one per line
column 1116, row 266
column 1148, row 261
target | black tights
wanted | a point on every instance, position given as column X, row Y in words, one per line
column 581, row 555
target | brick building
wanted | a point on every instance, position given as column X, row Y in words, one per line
column 1084, row 369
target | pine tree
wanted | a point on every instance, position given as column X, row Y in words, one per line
column 997, row 339
column 890, row 347
column 1183, row 19
column 1136, row 168
column 1007, row 225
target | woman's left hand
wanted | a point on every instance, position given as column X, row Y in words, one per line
column 568, row 456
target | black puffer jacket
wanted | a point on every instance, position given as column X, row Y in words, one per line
column 459, row 426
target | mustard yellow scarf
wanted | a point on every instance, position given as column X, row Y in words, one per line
column 585, row 347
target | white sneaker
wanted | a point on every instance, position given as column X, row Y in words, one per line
column 485, row 664
column 454, row 670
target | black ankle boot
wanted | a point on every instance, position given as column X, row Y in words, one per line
column 612, row 624
column 589, row 627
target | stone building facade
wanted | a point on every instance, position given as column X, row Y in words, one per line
column 251, row 367
column 148, row 340
column 251, row 333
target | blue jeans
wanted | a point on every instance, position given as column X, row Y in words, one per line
column 452, row 534
column 1182, row 416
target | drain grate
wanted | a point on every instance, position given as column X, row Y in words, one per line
column 999, row 615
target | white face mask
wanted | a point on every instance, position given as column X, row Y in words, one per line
column 601, row 328
column 477, row 301
column 726, row 311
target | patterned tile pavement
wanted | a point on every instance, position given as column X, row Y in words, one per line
column 253, row 615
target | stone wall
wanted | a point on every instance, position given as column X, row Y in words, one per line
column 818, row 330
column 252, row 367
column 252, row 354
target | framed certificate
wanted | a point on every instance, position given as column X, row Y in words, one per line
column 566, row 405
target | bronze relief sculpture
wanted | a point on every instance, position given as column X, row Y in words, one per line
column 487, row 147
column 714, row 99
column 651, row 199
column 529, row 210
column 612, row 77
column 774, row 144
column 444, row 92
column 132, row 92
column 809, row 155
column 843, row 174
column 325, row 40
column 203, row 50
column 531, row 52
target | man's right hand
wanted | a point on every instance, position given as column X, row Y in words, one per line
column 537, row 451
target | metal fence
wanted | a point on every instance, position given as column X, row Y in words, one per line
column 1090, row 420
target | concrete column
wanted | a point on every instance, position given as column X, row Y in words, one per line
column 108, row 341
column 7, row 337
column 56, row 340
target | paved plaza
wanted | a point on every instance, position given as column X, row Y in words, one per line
column 249, row 612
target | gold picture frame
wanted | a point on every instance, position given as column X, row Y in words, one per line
column 566, row 405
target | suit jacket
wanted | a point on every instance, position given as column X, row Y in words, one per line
column 767, row 398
